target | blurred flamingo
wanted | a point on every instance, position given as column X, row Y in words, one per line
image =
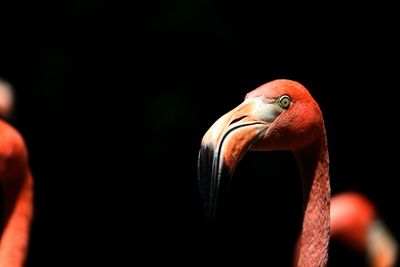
column 17, row 187
column 356, row 222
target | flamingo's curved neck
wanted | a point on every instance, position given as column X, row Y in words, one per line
column 314, row 166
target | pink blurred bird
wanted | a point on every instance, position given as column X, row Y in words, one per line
column 356, row 223
column 17, row 185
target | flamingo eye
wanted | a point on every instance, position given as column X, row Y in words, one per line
column 284, row 101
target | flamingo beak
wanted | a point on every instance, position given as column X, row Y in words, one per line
column 225, row 144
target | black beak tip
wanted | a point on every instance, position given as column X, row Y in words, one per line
column 212, row 180
column 205, row 175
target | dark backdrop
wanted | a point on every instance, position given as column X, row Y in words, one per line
column 114, row 98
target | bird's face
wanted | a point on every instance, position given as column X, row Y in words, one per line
column 279, row 115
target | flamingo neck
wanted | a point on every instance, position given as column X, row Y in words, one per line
column 314, row 166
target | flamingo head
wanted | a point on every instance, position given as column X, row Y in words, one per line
column 279, row 115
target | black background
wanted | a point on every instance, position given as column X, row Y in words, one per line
column 114, row 98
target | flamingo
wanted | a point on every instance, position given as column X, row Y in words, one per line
column 356, row 223
column 279, row 115
column 6, row 99
column 17, row 185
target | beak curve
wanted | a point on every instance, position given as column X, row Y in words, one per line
column 224, row 145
